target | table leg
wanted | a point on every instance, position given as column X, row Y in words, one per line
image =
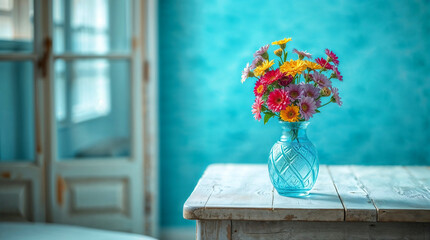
column 213, row 229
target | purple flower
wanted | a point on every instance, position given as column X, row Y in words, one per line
column 307, row 107
column 336, row 98
column 321, row 80
column 245, row 73
column 308, row 90
column 257, row 60
column 302, row 54
column 262, row 50
column 294, row 91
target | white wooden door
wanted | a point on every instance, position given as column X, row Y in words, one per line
column 94, row 114
column 21, row 147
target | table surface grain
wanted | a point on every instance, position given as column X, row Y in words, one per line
column 341, row 193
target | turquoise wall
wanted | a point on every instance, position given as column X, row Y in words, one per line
column 205, row 111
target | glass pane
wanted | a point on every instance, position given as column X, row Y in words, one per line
column 91, row 26
column 17, row 139
column 92, row 108
column 16, row 25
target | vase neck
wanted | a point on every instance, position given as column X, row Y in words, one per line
column 294, row 131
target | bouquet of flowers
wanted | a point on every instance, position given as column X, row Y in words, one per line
column 293, row 91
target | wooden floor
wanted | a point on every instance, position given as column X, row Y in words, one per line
column 236, row 194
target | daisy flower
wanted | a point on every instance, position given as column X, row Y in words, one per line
column 302, row 54
column 290, row 114
column 245, row 73
column 307, row 107
column 293, row 67
column 308, row 90
column 323, row 63
column 256, row 108
column 262, row 50
column 284, row 81
column 321, row 80
column 312, row 65
column 337, row 74
column 336, row 98
column 294, row 91
column 262, row 68
column 271, row 76
column 256, row 62
column 259, row 88
column 280, row 42
column 277, row 100
column 332, row 57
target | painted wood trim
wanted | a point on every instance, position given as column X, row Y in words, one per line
column 149, row 36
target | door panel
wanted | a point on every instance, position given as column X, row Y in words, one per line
column 96, row 166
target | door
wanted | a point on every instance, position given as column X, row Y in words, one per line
column 94, row 125
column 21, row 148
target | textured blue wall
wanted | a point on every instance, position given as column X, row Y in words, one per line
column 205, row 111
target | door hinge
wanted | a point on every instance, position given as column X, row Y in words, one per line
column 43, row 61
column 146, row 71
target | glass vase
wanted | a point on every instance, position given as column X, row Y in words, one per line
column 293, row 161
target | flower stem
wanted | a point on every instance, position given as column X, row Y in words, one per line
column 325, row 104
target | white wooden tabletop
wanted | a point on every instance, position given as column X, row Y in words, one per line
column 341, row 193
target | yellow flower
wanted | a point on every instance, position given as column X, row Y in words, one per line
column 290, row 114
column 262, row 68
column 280, row 42
column 293, row 67
column 312, row 65
column 278, row 52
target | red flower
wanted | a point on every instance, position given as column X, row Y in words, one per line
column 278, row 100
column 272, row 76
column 323, row 63
column 332, row 56
column 259, row 88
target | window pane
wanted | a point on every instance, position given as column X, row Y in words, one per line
column 92, row 26
column 16, row 26
column 92, row 108
column 17, row 139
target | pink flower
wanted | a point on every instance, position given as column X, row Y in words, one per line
column 321, row 79
column 278, row 100
column 336, row 98
column 308, row 90
column 337, row 73
column 272, row 76
column 259, row 88
column 307, row 107
column 323, row 63
column 256, row 108
column 302, row 53
column 332, row 57
column 294, row 91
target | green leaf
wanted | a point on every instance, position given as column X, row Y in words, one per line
column 318, row 111
column 268, row 116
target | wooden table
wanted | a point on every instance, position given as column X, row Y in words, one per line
column 233, row 201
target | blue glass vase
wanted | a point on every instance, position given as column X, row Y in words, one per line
column 293, row 161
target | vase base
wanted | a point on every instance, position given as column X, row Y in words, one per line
column 293, row 194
